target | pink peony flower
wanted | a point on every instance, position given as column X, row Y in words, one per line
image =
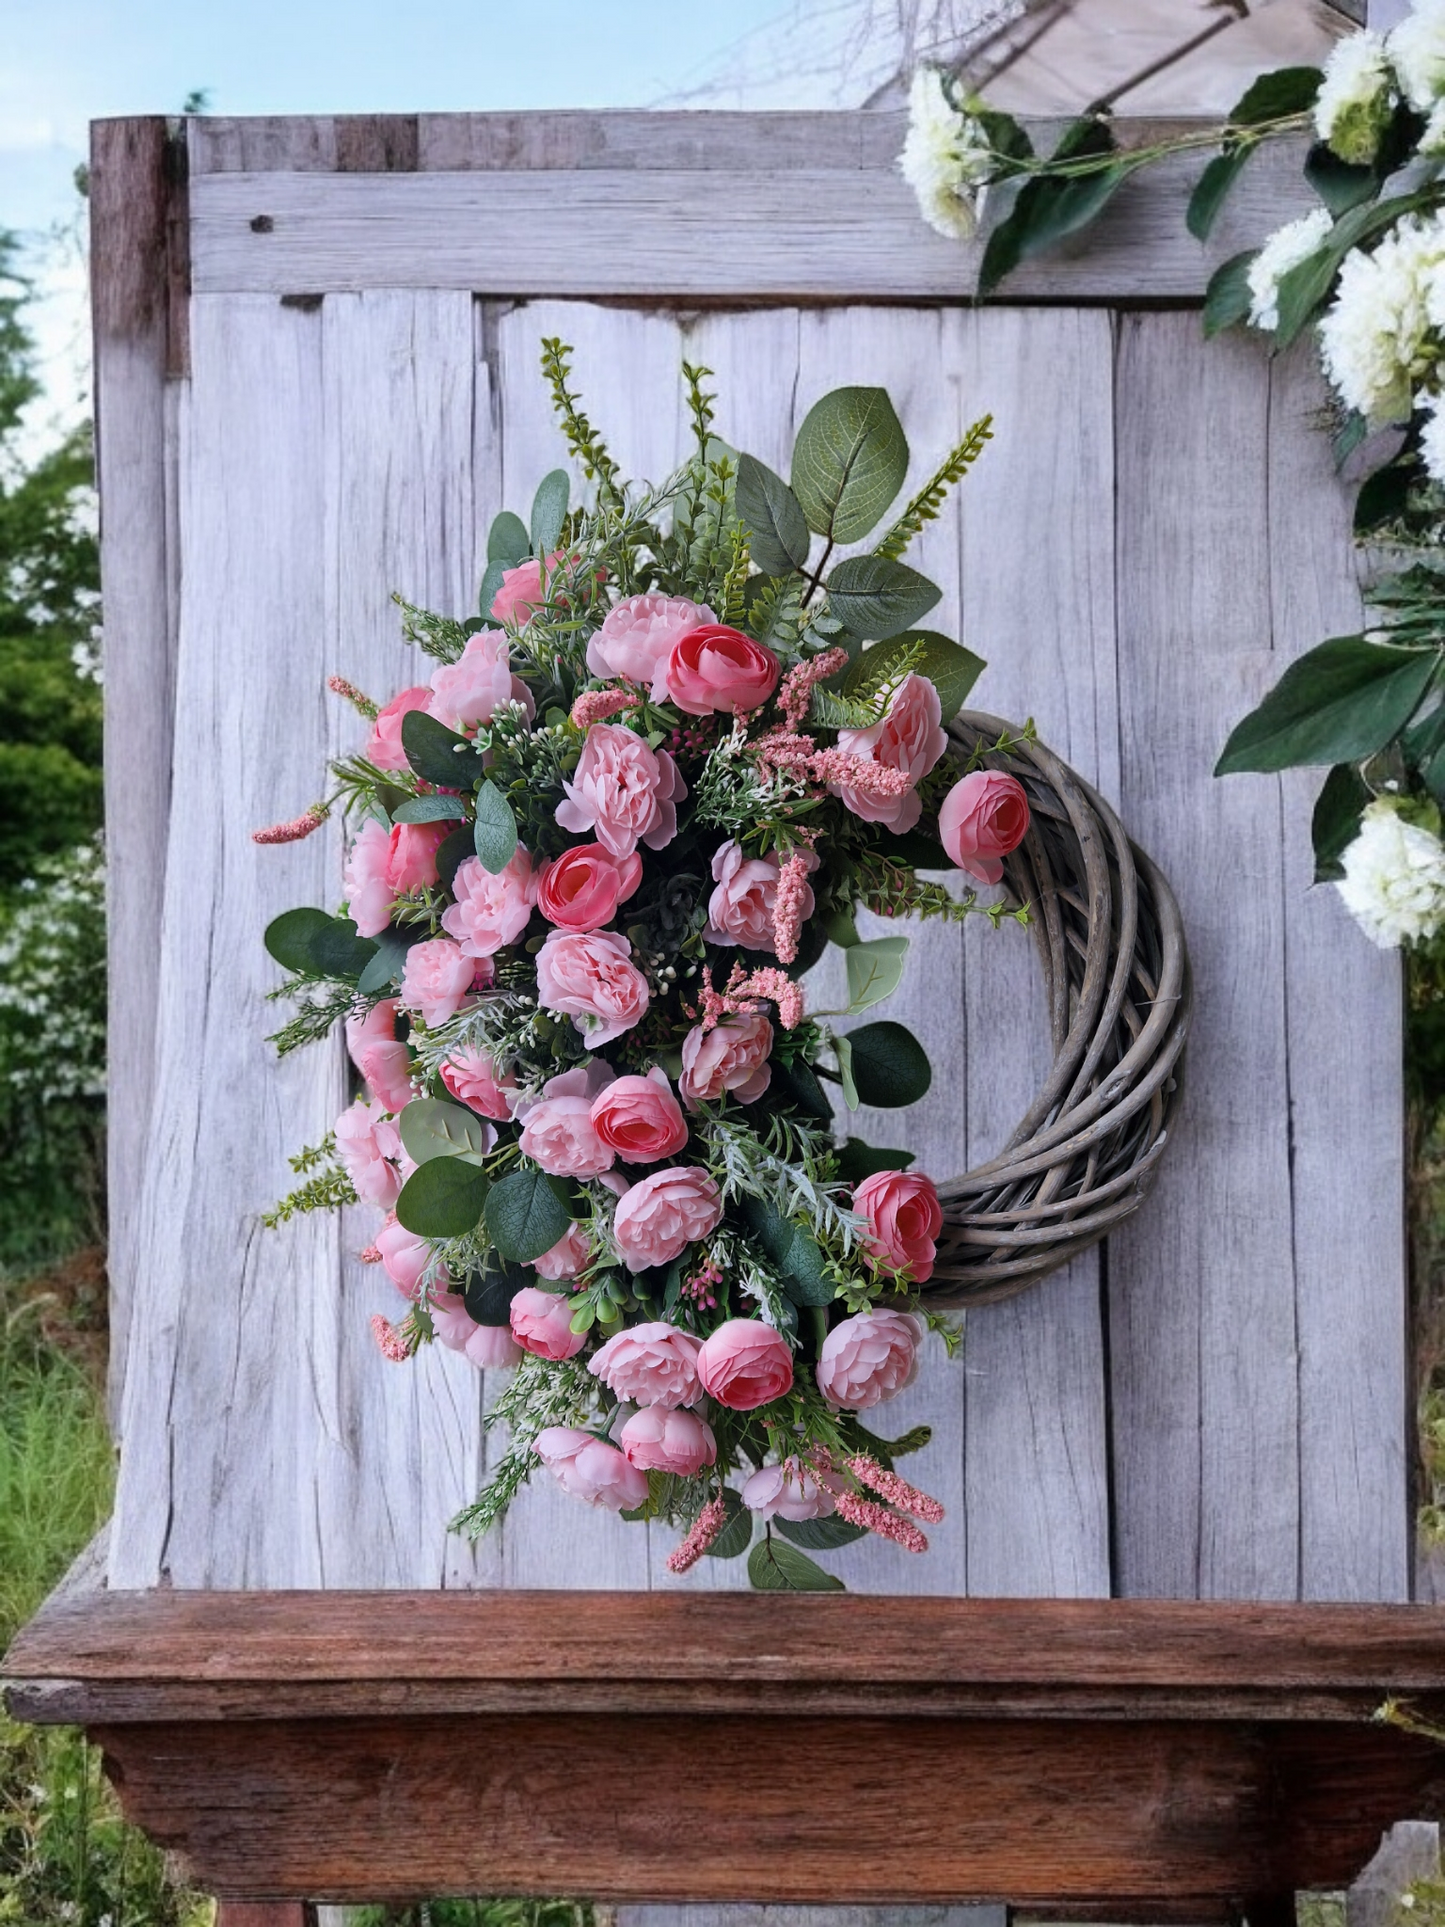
column 405, row 1258
column 732, row 1056
column 567, row 1257
column 640, row 1119
column 492, row 1348
column 635, row 639
column 412, row 855
column 471, row 1077
column 984, row 816
column 368, row 1148
column 542, row 1323
column 488, row 1347
column 905, row 1216
column 791, row 1491
column 472, row 689
column 586, row 976
column 657, row 1439
column 490, row 911
column 623, row 790
column 652, row 1364
column 559, row 1135
column 366, row 879
column 665, row 1213
column 437, row 977
column 384, row 745
column 581, row 889
column 714, row 667
column 744, row 1364
column 743, row 907
column 591, row 1469
column 868, row 1358
column 384, row 1063
column 910, row 738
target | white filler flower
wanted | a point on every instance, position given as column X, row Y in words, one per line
column 1394, row 881
column 1377, row 340
column 1417, row 51
column 1285, row 249
column 1356, row 98
column 946, row 158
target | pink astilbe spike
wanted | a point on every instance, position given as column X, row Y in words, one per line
column 877, row 1518
column 792, row 892
column 898, row 1492
column 359, row 700
column 292, row 832
column 596, row 705
column 775, row 985
column 371, row 1256
column 390, row 1339
column 797, row 690
column 709, row 1523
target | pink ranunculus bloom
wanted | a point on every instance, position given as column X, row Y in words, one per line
column 471, row 1077
column 490, row 911
column 744, row 1364
column 412, row 855
column 384, row 1063
column 586, row 976
column 792, row 1491
column 664, row 1213
column 658, row 1439
column 651, row 1364
column 622, row 790
column 436, row 979
column 542, row 1323
column 640, row 1119
column 732, row 1056
column 868, row 1358
column 984, row 816
column 559, row 1135
column 911, row 737
column 581, row 889
column 406, row 1258
column 567, row 1257
column 366, row 879
column 742, row 907
column 472, row 689
column 905, row 1217
column 635, row 639
column 384, row 745
column 714, row 667
column 591, row 1469
column 368, row 1146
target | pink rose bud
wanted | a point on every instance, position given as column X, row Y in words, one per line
column 640, row 1119
column 436, row 979
column 718, row 668
column 658, row 1439
column 490, row 911
column 492, row 1348
column 559, row 1135
column 472, row 689
column 384, row 747
column 904, row 1217
column 368, row 1148
column 866, row 1359
column 910, row 738
column 542, row 1323
column 745, row 1364
column 566, row 1258
column 652, row 1364
column 984, row 816
column 586, row 976
column 665, row 1213
column 471, row 1077
column 732, row 1056
column 412, row 855
column 635, row 639
column 581, row 889
column 591, row 1469
column 623, row 791
column 791, row 1491
column 406, row 1258
column 384, row 1063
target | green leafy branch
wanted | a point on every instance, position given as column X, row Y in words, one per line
column 585, row 444
column 929, row 500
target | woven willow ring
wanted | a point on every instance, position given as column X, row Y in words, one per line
column 1116, row 978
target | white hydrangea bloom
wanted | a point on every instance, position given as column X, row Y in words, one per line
column 946, row 158
column 1285, row 249
column 1417, row 52
column 1394, row 881
column 1356, row 98
column 1377, row 340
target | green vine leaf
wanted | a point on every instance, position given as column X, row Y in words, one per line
column 1051, row 207
column 1340, row 702
column 775, row 1566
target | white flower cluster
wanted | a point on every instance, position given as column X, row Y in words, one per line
column 947, row 159
column 1357, row 98
column 1381, row 336
column 1285, row 249
column 1394, row 881
column 52, row 980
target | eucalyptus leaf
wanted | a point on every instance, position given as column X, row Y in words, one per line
column 495, row 833
column 952, row 669
column 1228, row 298
column 849, row 462
column 819, row 1535
column 507, row 540
column 804, row 1279
column 736, row 1536
column 890, row 1067
column 845, row 1072
column 875, row 970
column 288, row 938
column 390, row 959
column 776, row 525
column 1336, row 820
column 337, row 951
column 800, row 1083
column 858, row 1160
column 442, row 1199
column 874, row 597
column 453, row 852
column 525, row 1216
column 430, row 809
column 1338, row 703
column 431, row 1127
column 549, row 511
column 842, row 929
column 436, row 753
column 775, row 1566
column 488, row 1292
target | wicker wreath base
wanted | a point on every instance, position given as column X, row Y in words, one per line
column 1116, row 979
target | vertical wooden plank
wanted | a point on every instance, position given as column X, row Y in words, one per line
column 707, row 1916
column 1203, row 1340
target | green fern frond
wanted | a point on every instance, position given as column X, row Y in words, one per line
column 930, row 498
column 866, row 703
column 329, row 1190
column 734, row 602
column 582, row 438
column 699, row 404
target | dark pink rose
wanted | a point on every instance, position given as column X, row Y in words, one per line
column 471, row 1077
column 640, row 1119
column 984, row 816
column 384, row 747
column 745, row 1364
column 868, row 1358
column 663, row 1214
column 904, row 1217
column 718, row 668
column 542, row 1323
column 659, row 1439
column 581, row 889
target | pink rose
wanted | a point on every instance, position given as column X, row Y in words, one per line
column 791, row 1490
column 868, row 1358
column 745, row 1364
column 581, row 889
column 471, row 1077
column 542, row 1323
column 984, row 816
column 591, row 1469
column 905, row 1217
column 911, row 737
column 665, row 1213
column 635, row 639
column 368, row 1147
column 384, row 745
column 522, row 594
column 450, row 1320
column 437, row 977
column 384, row 1063
column 472, row 689
column 405, row 1258
column 732, row 1056
column 490, row 911
column 559, row 1135
column 366, row 878
column 715, row 667
column 652, row 1364
column 567, row 1257
column 622, row 790
column 741, row 908
column 412, row 855
column 657, row 1439
column 640, row 1119
column 492, row 1348
column 586, row 976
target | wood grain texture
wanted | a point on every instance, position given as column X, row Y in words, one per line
column 810, row 1917
column 263, row 1913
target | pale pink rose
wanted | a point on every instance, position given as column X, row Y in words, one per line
column 472, row 689
column 635, row 639
column 367, row 879
column 623, row 790
column 492, row 1348
column 584, row 1080
column 471, row 1077
column 984, row 816
column 560, row 1137
column 652, row 1364
column 665, row 1213
column 450, row 1320
column 791, row 1491
column 868, row 1358
column 384, row 745
column 742, row 906
column 744, row 1364
column 640, row 1119
column 542, row 1323
column 732, row 1056
column 488, row 1347
column 567, row 1257
column 586, row 976
column 406, row 1258
column 436, row 979
column 412, row 855
column 490, row 911
column 368, row 1147
column 910, row 737
column 384, row 1063
column 905, row 1217
column 581, row 889
column 657, row 1439
column 591, row 1469
column 714, row 667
